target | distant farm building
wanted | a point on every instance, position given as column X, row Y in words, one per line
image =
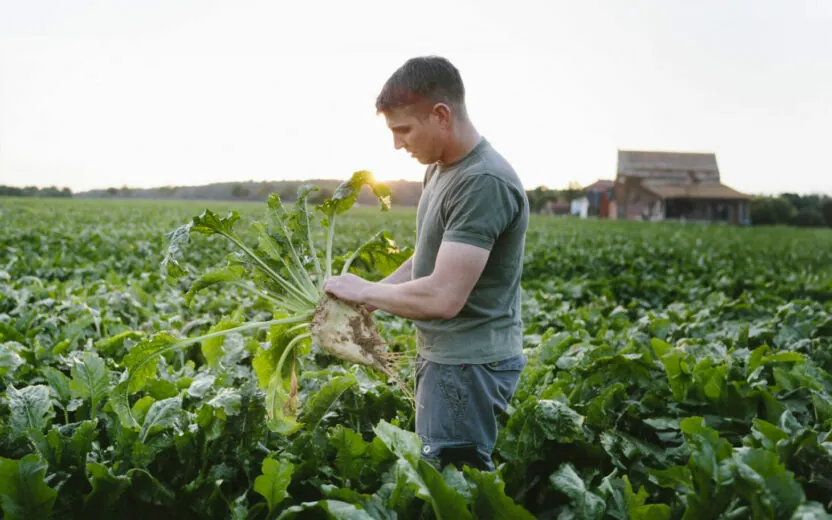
column 600, row 194
column 579, row 207
column 677, row 186
column 560, row 206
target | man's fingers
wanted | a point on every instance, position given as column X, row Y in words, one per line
column 328, row 287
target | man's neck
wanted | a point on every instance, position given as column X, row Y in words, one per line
column 464, row 139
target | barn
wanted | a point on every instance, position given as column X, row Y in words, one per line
column 600, row 194
column 676, row 186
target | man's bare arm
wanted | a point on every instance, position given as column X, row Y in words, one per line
column 404, row 273
column 441, row 295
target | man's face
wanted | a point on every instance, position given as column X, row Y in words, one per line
column 422, row 134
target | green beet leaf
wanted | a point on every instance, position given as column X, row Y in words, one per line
column 107, row 487
column 90, row 380
column 403, row 443
column 772, row 490
column 31, row 408
column 347, row 193
column 23, row 489
column 319, row 405
column 143, row 359
column 489, row 497
column 58, row 384
column 233, row 274
column 10, row 360
column 212, row 348
column 162, row 414
column 334, row 509
column 419, row 476
column 350, row 449
column 584, row 504
column 274, row 481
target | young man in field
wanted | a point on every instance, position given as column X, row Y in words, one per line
column 462, row 285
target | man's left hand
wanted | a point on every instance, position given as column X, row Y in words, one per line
column 347, row 287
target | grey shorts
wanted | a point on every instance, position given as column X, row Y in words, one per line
column 457, row 408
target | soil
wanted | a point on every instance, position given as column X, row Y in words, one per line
column 364, row 332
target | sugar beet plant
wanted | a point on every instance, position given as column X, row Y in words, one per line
column 286, row 268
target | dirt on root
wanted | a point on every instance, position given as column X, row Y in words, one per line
column 364, row 332
column 362, row 328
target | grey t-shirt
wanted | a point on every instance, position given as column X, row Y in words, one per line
column 478, row 200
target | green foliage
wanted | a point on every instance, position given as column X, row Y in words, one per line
column 31, row 409
column 34, row 191
column 674, row 371
column 274, row 481
column 90, row 380
column 769, row 211
column 584, row 503
column 23, row 489
column 489, row 499
column 792, row 209
column 347, row 193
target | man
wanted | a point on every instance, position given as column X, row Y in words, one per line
column 462, row 284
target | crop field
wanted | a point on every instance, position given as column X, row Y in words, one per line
column 674, row 371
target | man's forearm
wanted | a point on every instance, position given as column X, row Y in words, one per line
column 416, row 299
column 404, row 273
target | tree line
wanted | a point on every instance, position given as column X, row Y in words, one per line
column 539, row 196
column 791, row 209
column 788, row 209
column 405, row 193
column 34, row 191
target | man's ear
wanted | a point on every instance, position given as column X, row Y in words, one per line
column 443, row 114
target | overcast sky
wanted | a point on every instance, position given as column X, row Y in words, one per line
column 156, row 92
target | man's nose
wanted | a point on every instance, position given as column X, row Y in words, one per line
column 398, row 143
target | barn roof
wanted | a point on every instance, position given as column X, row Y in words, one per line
column 644, row 163
column 600, row 184
column 696, row 191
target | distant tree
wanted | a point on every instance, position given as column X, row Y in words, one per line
column 826, row 211
column 112, row 192
column 34, row 191
column 812, row 201
column 265, row 189
column 239, row 191
column 573, row 191
column 11, row 191
column 809, row 218
column 795, row 200
column 51, row 191
column 288, row 191
column 771, row 211
column 317, row 197
column 539, row 196
column 167, row 191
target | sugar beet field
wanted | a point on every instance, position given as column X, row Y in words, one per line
column 675, row 371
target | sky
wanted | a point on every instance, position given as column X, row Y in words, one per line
column 149, row 93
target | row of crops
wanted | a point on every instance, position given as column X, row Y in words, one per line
column 675, row 371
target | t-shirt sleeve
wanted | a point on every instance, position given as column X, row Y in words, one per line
column 479, row 210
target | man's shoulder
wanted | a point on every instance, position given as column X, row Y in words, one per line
column 489, row 162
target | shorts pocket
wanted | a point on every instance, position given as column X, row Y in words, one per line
column 505, row 375
column 514, row 363
column 455, row 383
